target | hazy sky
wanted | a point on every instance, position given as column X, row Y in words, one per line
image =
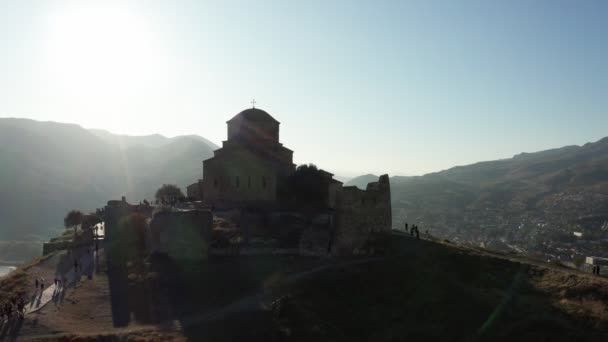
column 404, row 87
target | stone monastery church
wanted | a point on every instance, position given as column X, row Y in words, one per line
column 248, row 170
column 250, row 164
column 250, row 184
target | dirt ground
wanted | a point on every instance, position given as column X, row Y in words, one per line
column 83, row 313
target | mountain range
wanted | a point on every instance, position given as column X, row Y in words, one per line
column 527, row 200
column 49, row 168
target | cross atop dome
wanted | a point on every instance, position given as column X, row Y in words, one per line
column 253, row 103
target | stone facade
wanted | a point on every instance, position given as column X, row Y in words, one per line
column 248, row 168
column 114, row 211
column 194, row 191
column 360, row 214
column 181, row 235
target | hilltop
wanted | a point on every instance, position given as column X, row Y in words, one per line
column 422, row 290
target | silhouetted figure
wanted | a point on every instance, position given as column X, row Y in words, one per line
column 417, row 233
column 36, row 282
column 21, row 308
column 406, row 229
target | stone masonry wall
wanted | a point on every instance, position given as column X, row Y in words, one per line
column 359, row 214
column 181, row 235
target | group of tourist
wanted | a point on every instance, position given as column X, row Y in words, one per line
column 414, row 231
column 39, row 283
column 15, row 306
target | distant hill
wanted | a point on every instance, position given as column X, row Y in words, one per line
column 528, row 199
column 152, row 140
column 362, row 181
column 49, row 168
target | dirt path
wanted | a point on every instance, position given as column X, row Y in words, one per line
column 54, row 292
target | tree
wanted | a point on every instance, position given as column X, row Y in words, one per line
column 306, row 187
column 169, row 194
column 73, row 219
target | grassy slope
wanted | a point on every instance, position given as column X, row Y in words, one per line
column 19, row 282
column 425, row 291
column 431, row 292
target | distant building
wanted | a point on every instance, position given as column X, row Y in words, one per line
column 593, row 260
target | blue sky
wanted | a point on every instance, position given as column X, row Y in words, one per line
column 399, row 87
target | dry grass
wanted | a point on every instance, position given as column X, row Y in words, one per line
column 16, row 283
column 151, row 335
column 579, row 295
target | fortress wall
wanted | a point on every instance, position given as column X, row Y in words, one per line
column 181, row 235
column 359, row 214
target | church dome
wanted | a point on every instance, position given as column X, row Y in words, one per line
column 254, row 114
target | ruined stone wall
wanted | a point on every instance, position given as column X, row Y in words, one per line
column 359, row 214
column 332, row 194
column 181, row 235
column 194, row 191
column 114, row 211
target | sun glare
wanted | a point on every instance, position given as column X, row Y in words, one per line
column 101, row 50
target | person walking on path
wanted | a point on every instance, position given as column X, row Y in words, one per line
column 21, row 308
column 36, row 283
